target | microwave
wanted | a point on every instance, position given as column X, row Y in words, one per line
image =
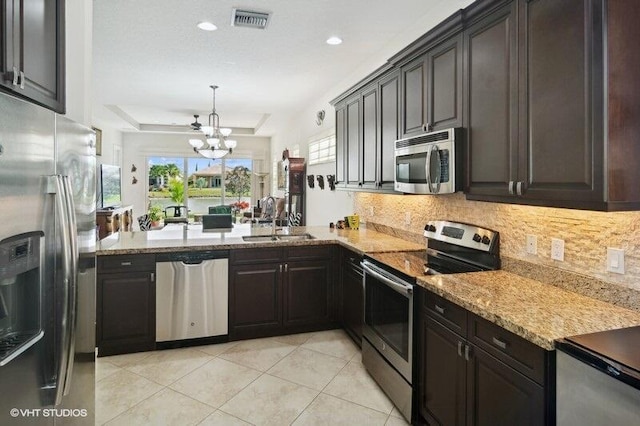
column 430, row 163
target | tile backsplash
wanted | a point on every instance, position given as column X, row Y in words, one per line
column 586, row 234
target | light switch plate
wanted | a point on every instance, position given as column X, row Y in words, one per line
column 532, row 244
column 615, row 260
column 407, row 218
column 557, row 249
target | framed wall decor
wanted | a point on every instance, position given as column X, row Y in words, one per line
column 98, row 140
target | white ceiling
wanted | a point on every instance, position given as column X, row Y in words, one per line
column 152, row 66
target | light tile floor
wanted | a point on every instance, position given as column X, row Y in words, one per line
column 300, row 379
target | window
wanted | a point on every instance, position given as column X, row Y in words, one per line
column 322, row 150
column 208, row 183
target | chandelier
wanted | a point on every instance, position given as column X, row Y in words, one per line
column 218, row 143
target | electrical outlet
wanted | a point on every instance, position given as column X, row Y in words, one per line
column 557, row 249
column 615, row 260
column 532, row 244
column 407, row 218
column 370, row 210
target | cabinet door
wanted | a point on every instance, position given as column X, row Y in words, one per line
column 491, row 83
column 255, row 307
column 561, row 124
column 444, row 85
column 389, row 119
column 341, row 145
column 369, row 163
column 308, row 293
column 33, row 45
column 352, row 298
column 353, row 142
column 499, row 395
column 126, row 312
column 442, row 374
column 412, row 97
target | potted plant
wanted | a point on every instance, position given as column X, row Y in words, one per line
column 155, row 214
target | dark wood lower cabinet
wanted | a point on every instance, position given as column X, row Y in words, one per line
column 126, row 312
column 352, row 305
column 459, row 383
column 499, row 395
column 442, row 375
column 308, row 293
column 255, row 307
column 280, row 291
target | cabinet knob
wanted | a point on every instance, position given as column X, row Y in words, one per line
column 519, row 188
column 510, row 186
column 22, row 79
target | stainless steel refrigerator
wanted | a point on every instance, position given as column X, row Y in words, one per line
column 47, row 267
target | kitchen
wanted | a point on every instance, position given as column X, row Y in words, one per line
column 526, row 232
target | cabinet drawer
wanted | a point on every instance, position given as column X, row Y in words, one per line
column 308, row 252
column 447, row 313
column 259, row 255
column 127, row 262
column 513, row 350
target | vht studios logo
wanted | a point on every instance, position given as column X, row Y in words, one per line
column 48, row 412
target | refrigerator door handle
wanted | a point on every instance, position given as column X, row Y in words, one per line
column 73, row 282
column 63, row 326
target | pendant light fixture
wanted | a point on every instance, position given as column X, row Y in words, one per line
column 218, row 143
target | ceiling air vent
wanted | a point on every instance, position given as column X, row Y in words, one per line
column 251, row 19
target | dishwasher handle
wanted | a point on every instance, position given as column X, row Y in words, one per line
column 192, row 257
column 192, row 262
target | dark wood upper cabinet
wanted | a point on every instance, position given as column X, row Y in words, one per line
column 560, row 111
column 341, row 145
column 444, row 84
column 353, row 142
column 546, row 90
column 388, row 122
column 490, row 84
column 560, row 144
column 32, row 51
column 370, row 138
column 413, row 112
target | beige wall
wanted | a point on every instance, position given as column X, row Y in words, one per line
column 586, row 234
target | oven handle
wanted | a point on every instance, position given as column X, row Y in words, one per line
column 368, row 268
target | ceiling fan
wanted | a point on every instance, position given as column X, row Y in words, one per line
column 195, row 125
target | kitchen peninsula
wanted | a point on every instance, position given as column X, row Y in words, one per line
column 559, row 313
column 505, row 323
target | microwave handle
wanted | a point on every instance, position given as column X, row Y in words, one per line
column 427, row 168
column 434, row 149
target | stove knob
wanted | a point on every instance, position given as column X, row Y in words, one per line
column 477, row 238
column 430, row 228
column 486, row 240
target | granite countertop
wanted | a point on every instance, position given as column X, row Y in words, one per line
column 175, row 237
column 538, row 312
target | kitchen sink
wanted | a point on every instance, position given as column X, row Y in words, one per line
column 299, row 237
column 275, row 238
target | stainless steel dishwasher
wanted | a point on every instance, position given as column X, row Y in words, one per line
column 192, row 295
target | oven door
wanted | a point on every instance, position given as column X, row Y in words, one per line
column 388, row 317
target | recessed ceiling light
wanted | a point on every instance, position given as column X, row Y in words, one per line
column 334, row 41
column 207, row 26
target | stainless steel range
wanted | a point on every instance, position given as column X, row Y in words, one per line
column 387, row 347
